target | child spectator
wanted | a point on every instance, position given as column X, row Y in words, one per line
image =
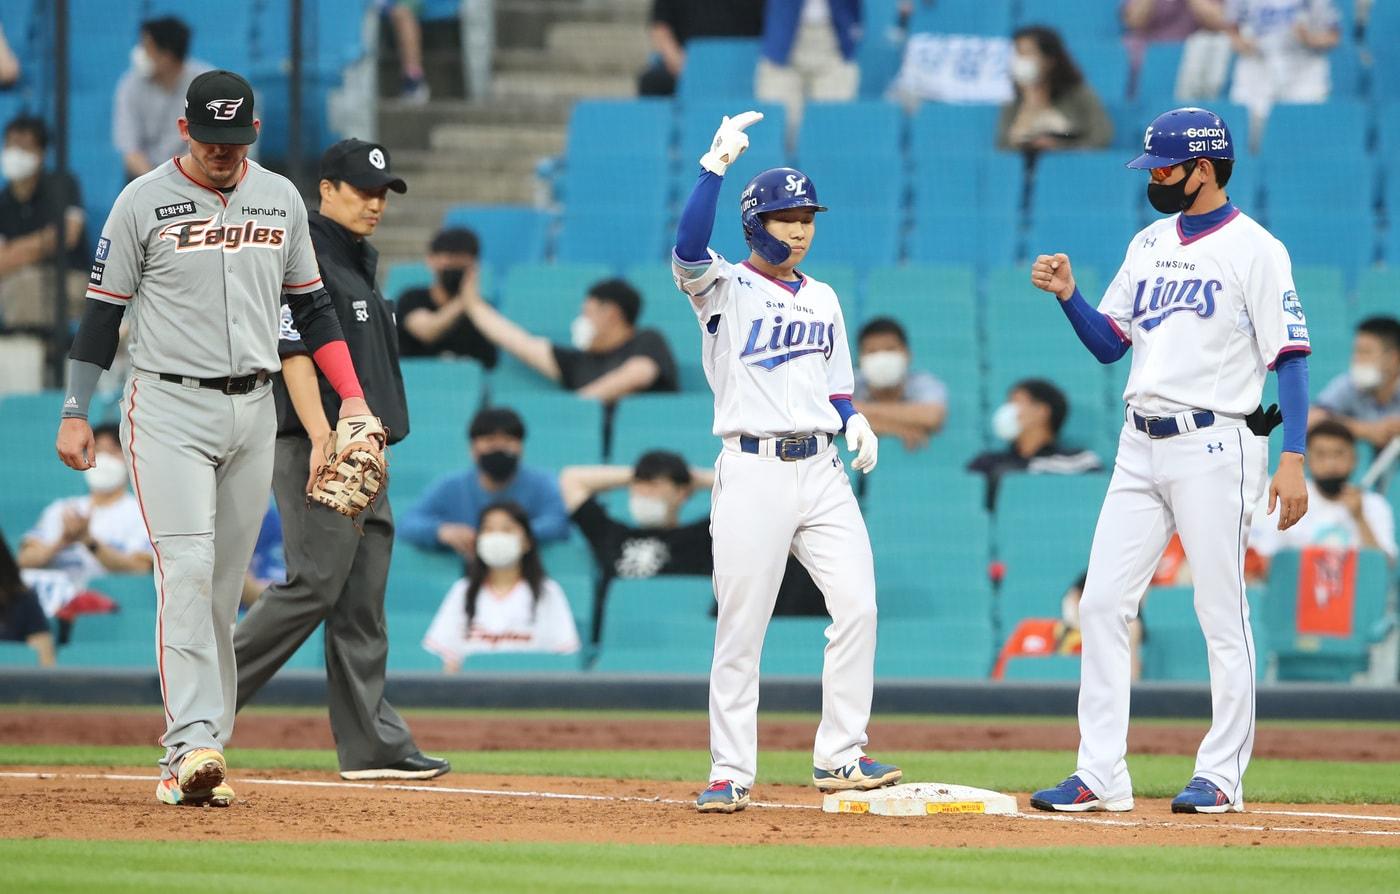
column 909, row 405
column 445, row 516
column 610, row 356
column 506, row 603
column 433, row 320
column 1053, row 107
column 101, row 533
column 1030, row 422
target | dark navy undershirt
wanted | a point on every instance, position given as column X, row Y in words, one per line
column 1192, row 224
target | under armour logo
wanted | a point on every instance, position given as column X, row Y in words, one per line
column 1149, row 241
column 796, row 185
column 1215, row 448
column 224, row 109
column 744, row 282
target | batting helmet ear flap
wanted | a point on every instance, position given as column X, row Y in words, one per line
column 767, row 246
column 776, row 189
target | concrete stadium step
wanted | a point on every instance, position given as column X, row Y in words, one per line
column 517, row 140
column 408, row 126
column 526, row 23
column 483, row 186
column 524, row 86
column 598, row 46
column 565, row 65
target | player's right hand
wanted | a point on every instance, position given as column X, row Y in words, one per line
column 75, row 445
column 1052, row 274
column 729, row 143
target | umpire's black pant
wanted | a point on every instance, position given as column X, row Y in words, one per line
column 335, row 575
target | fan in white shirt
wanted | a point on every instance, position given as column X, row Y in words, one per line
column 1340, row 515
column 506, row 603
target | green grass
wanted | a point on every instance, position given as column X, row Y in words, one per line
column 338, row 867
column 1289, row 781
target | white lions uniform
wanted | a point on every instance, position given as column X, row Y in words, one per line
column 1207, row 317
column 775, row 360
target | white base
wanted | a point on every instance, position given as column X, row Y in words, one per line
column 920, row 799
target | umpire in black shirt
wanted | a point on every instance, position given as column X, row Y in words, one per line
column 335, row 573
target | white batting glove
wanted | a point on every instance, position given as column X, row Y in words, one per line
column 861, row 440
column 729, row 143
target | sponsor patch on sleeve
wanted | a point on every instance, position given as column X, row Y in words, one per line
column 1291, row 305
column 104, row 245
column 95, row 277
column 179, row 209
column 1297, row 333
column 287, row 331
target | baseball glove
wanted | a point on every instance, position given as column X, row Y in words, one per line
column 355, row 469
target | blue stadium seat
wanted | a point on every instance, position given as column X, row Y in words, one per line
column 963, row 237
column 561, row 429
column 1348, row 71
column 863, row 239
column 658, row 625
column 825, row 137
column 701, row 115
column 1293, row 130
column 941, row 131
column 934, row 650
column 617, row 237
column 719, row 68
column 1388, row 130
column 794, row 647
column 941, row 295
column 544, row 298
column 1043, row 668
column 679, row 423
column 509, row 234
column 1156, row 80
column 1067, row 181
column 640, row 186
column 1044, row 525
column 418, row 580
column 1378, row 291
column 17, row 654
column 1343, row 239
column 1104, row 62
column 842, row 187
column 879, row 56
column 1326, row 658
column 989, row 17
column 1383, row 30
column 596, row 124
column 404, row 276
column 1077, row 20
column 664, row 307
column 1098, row 239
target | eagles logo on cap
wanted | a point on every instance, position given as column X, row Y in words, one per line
column 219, row 109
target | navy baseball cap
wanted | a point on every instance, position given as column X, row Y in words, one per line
column 219, row 109
column 361, row 164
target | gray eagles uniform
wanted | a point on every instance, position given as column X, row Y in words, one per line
column 201, row 273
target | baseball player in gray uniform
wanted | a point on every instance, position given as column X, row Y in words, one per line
column 201, row 250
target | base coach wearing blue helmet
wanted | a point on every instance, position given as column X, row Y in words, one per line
column 1206, row 304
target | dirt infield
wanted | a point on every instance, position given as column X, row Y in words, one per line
column 107, row 803
column 485, row 733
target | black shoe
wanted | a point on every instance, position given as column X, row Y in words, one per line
column 416, row 766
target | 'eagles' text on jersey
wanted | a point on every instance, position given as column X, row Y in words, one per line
column 773, row 358
column 1207, row 315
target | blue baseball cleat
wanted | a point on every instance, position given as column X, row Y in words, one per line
column 1203, row 796
column 862, row 774
column 722, row 796
column 1073, row 796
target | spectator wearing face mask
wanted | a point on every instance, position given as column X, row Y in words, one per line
column 32, row 202
column 151, row 95
column 1340, row 515
column 506, row 603
column 433, row 320
column 908, row 404
column 656, row 543
column 1366, row 398
column 1029, row 423
column 445, row 517
column 609, row 357
column 1053, row 106
column 100, row 533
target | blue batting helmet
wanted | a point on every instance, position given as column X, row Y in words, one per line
column 1181, row 135
column 776, row 189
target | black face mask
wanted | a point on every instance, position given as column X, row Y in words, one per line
column 499, row 465
column 451, row 280
column 1332, row 487
column 1171, row 199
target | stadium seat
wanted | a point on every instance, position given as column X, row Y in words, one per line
column 1388, row 130
column 545, row 298
column 863, row 239
column 1104, row 62
column 1326, row 658
column 940, row 132
column 1378, row 292
column 509, row 234
column 1292, row 131
column 1293, row 188
column 924, row 298
column 828, row 131
column 842, row 187
column 614, row 237
column 1156, row 80
column 17, row 655
column 988, row 17
column 958, row 237
column 934, row 650
column 595, row 126
column 561, row 429
column 719, row 68
column 1066, row 181
column 1098, row 239
column 418, row 579
column 1342, row 239
column 679, row 423
column 1174, row 648
column 1075, row 19
column 1043, row 528
column 1043, row 668
column 794, row 647
column 701, row 115
column 658, row 625
column 638, row 187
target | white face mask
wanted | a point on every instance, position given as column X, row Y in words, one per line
column 582, row 332
column 1025, row 70
column 108, row 475
column 648, row 512
column 18, row 164
column 1366, row 376
column 499, row 549
column 1006, row 422
column 884, row 369
column 141, row 62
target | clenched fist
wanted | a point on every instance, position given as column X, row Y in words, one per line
column 1052, row 273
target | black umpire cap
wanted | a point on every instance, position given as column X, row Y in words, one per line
column 219, row 109
column 361, row 164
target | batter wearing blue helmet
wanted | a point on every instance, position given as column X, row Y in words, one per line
column 1205, row 302
column 774, row 346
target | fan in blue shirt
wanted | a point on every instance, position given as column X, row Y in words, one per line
column 445, row 516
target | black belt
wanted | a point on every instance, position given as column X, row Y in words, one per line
column 786, row 449
column 226, row 384
column 1166, row 426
